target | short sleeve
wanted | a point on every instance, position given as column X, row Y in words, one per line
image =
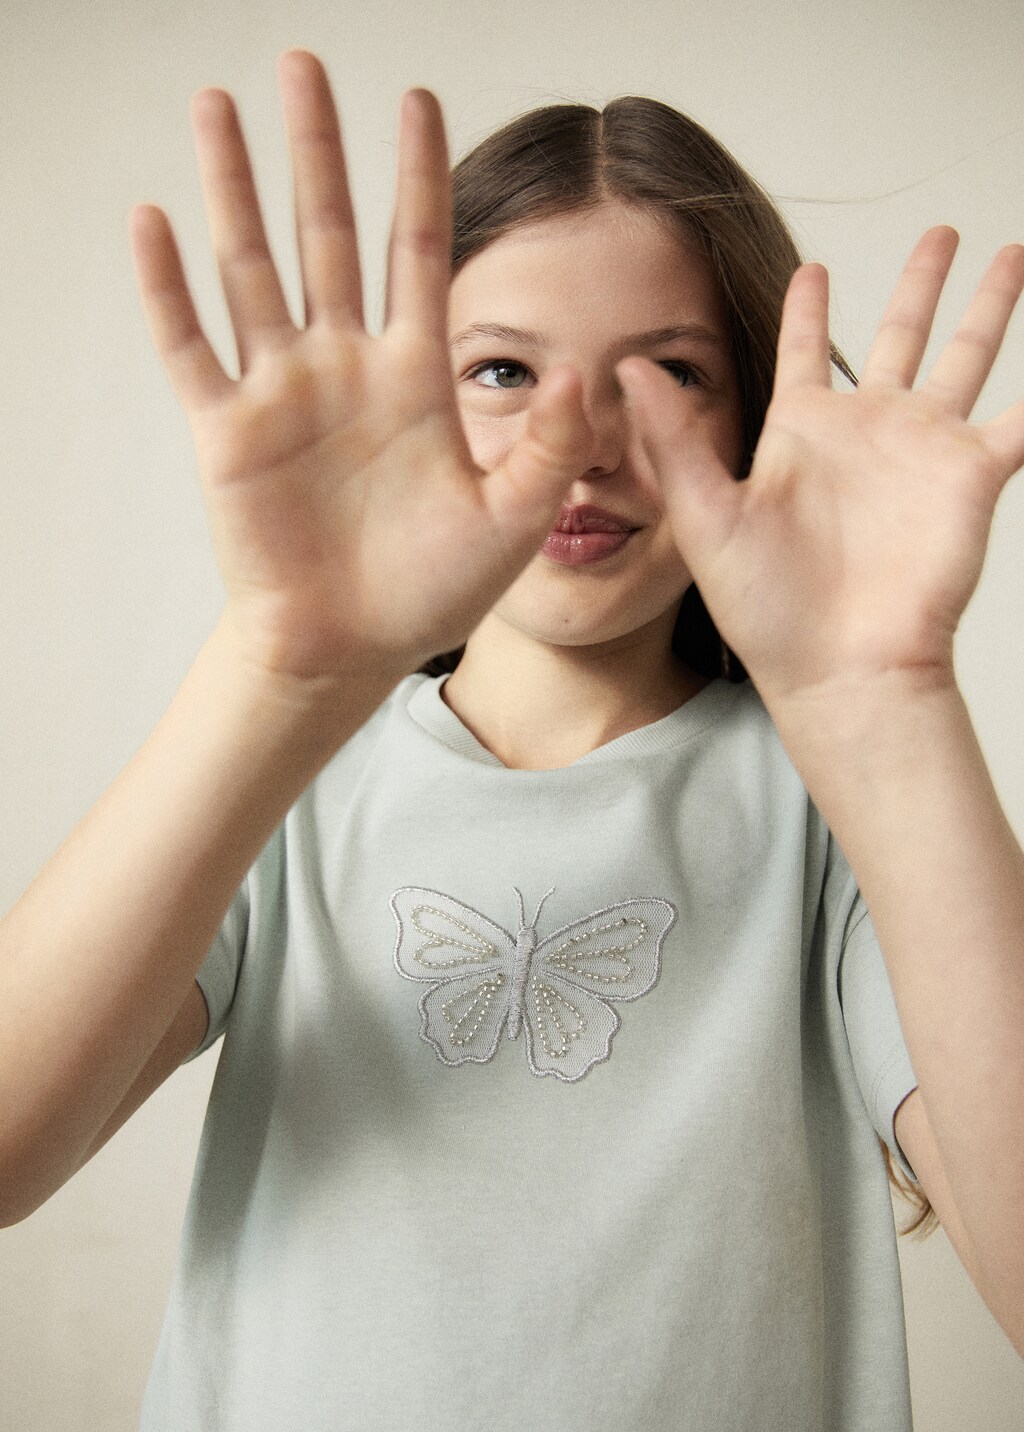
column 217, row 976
column 881, row 1061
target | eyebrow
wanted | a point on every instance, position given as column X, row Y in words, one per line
column 650, row 338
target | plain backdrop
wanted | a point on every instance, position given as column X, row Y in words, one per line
column 869, row 120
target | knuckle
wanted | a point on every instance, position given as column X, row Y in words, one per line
column 898, row 323
column 422, row 240
column 970, row 337
column 246, row 253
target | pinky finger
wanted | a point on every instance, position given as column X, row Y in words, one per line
column 1005, row 438
column 192, row 366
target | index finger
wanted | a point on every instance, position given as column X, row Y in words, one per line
column 419, row 253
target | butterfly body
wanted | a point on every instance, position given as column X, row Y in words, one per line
column 526, row 944
column 558, row 989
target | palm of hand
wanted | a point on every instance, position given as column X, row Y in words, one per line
column 858, row 538
column 350, row 522
column 865, row 518
column 329, row 510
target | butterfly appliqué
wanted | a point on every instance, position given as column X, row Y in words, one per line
column 484, row 979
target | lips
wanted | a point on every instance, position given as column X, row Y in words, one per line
column 587, row 518
column 585, row 534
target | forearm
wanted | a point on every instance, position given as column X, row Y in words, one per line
column 98, row 956
column 901, row 781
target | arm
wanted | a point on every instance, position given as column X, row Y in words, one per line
column 182, row 1039
column 839, row 572
column 98, row 956
column 334, row 468
column 902, row 783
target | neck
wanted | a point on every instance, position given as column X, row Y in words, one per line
column 537, row 706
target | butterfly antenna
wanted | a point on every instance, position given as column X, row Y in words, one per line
column 522, row 912
column 541, row 905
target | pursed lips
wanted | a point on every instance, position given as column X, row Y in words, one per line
column 588, row 518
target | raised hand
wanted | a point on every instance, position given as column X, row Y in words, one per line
column 856, row 542
column 349, row 520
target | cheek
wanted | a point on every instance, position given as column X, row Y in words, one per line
column 728, row 440
column 490, row 439
column 671, row 576
column 643, row 475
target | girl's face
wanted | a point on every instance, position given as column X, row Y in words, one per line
column 589, row 288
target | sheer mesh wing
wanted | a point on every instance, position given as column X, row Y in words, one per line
column 440, row 937
column 463, row 1018
column 568, row 1031
column 614, row 954
column 467, row 959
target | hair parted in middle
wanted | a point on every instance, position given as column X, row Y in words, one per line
column 641, row 152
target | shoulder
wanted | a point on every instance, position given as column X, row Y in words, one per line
column 389, row 725
column 743, row 739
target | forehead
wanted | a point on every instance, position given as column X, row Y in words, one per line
column 613, row 265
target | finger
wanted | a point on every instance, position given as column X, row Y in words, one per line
column 252, row 289
column 804, row 355
column 326, row 227
column 700, row 494
column 525, row 494
column 906, row 325
column 419, row 253
column 196, row 375
column 1005, row 438
column 964, row 364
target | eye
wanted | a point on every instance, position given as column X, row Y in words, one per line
column 685, row 375
column 501, row 373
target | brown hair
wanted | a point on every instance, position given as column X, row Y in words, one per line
column 566, row 157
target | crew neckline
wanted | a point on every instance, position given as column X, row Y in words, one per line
column 429, row 710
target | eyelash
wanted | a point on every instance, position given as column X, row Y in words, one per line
column 671, row 365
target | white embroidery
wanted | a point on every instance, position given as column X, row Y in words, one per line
column 557, row 989
column 475, row 1001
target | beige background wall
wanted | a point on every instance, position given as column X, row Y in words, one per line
column 872, row 119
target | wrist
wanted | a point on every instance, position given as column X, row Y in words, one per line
column 872, row 730
column 285, row 726
column 315, row 707
column 856, row 707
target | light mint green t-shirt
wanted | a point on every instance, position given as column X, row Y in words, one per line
column 548, row 1100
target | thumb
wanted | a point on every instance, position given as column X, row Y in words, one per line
column 702, row 498
column 526, row 491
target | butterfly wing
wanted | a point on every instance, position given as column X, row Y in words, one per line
column 614, row 954
column 468, row 962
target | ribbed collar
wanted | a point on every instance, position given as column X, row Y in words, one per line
column 429, row 710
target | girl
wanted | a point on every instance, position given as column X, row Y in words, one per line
column 559, row 1036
